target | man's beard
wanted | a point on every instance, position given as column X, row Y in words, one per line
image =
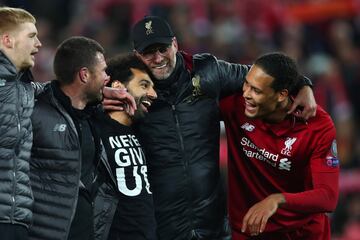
column 140, row 113
column 95, row 98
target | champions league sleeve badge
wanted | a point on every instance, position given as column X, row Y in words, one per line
column 332, row 158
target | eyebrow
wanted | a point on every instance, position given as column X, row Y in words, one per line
column 146, row 81
column 257, row 89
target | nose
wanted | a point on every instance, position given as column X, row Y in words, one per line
column 246, row 91
column 152, row 93
column 38, row 43
column 157, row 57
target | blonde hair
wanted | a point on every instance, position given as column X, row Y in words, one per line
column 10, row 18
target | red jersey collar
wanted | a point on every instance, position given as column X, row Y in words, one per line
column 290, row 124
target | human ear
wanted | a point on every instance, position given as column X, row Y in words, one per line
column 7, row 40
column 283, row 95
column 83, row 75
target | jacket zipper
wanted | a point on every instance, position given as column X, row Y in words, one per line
column 178, row 127
column 17, row 149
column 76, row 198
column 72, row 126
column 186, row 162
column 192, row 234
column 75, row 203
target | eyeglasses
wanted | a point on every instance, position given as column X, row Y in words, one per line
column 150, row 53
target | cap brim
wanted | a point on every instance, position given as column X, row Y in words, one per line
column 149, row 42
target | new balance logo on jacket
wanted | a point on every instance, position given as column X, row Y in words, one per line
column 59, row 127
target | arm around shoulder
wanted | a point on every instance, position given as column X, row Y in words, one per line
column 217, row 77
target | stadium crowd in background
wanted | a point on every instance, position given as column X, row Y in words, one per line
column 323, row 36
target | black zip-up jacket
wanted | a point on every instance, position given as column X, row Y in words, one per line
column 55, row 167
column 180, row 136
column 16, row 106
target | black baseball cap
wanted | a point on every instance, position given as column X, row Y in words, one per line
column 151, row 30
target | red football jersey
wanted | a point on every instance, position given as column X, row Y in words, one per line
column 294, row 157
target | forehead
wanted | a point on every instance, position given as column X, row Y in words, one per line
column 139, row 75
column 26, row 28
column 258, row 77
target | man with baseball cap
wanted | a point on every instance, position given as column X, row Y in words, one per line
column 180, row 134
column 151, row 30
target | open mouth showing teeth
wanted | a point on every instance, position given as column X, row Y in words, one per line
column 146, row 103
column 249, row 106
column 161, row 66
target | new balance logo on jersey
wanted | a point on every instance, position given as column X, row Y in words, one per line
column 60, row 127
column 248, row 127
column 288, row 146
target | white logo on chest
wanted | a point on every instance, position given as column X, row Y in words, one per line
column 288, row 146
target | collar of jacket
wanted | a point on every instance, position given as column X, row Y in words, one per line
column 61, row 97
column 188, row 60
column 8, row 70
column 65, row 101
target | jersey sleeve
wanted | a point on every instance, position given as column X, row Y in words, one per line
column 324, row 170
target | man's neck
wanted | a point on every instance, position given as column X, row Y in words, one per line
column 280, row 113
column 76, row 97
column 121, row 117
